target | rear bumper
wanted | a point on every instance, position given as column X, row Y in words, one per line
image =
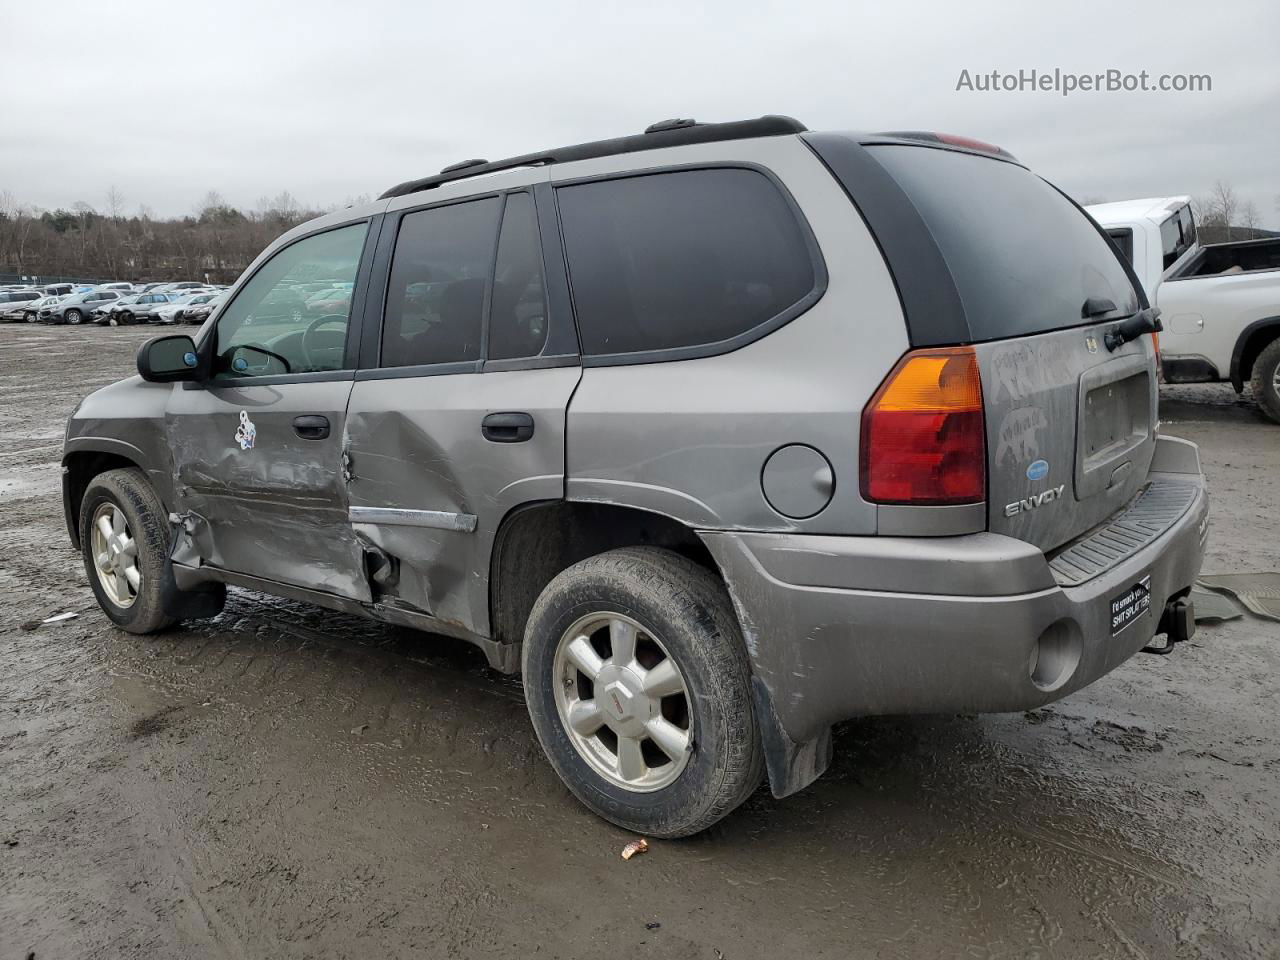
column 839, row 627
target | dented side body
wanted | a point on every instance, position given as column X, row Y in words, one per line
column 414, row 443
column 854, row 608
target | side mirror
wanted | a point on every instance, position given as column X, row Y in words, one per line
column 166, row 359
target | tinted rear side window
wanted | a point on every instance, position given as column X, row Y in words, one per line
column 436, row 291
column 683, row 259
column 1023, row 258
column 518, row 314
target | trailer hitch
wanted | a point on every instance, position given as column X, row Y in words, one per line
column 1177, row 624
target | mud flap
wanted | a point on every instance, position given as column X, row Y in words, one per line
column 791, row 766
column 199, row 603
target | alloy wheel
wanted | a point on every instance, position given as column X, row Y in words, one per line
column 623, row 702
column 115, row 555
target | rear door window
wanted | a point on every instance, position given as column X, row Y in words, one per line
column 1024, row 259
column 518, row 314
column 682, row 259
column 438, row 284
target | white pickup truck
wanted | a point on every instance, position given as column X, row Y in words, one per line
column 1219, row 303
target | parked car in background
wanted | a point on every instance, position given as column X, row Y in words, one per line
column 57, row 289
column 173, row 311
column 1219, row 303
column 179, row 286
column 283, row 302
column 13, row 302
column 31, row 309
column 141, row 310
column 76, row 308
column 102, row 315
column 121, row 285
column 335, row 300
column 200, row 312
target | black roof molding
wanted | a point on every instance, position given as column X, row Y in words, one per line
column 667, row 133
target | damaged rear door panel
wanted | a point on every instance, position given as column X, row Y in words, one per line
column 428, row 488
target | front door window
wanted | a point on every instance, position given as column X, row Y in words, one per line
column 272, row 328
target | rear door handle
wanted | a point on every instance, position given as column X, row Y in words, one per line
column 311, row 426
column 507, row 427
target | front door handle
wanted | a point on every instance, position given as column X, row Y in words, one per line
column 507, row 427
column 312, row 426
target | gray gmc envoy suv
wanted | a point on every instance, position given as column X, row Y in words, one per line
column 719, row 434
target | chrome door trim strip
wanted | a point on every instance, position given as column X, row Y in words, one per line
column 437, row 519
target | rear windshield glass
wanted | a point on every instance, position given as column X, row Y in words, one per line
column 1024, row 259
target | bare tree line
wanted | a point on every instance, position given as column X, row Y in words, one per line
column 216, row 241
column 1221, row 216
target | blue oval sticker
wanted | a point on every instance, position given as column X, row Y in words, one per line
column 1038, row 470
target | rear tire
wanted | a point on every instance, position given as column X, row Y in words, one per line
column 1266, row 380
column 703, row 758
column 135, row 537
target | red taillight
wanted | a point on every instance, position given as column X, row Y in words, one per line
column 923, row 439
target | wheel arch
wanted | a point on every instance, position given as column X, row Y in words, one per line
column 84, row 461
column 535, row 541
column 1252, row 341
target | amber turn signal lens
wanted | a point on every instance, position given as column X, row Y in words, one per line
column 923, row 433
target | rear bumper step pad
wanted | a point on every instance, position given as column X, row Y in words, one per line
column 1153, row 511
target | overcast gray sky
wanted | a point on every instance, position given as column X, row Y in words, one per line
column 168, row 100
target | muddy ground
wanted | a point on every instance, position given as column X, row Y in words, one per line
column 287, row 782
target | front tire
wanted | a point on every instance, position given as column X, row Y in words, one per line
column 73, row 317
column 124, row 539
column 1266, row 380
column 638, row 684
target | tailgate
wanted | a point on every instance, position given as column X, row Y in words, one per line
column 1070, row 431
column 1070, row 424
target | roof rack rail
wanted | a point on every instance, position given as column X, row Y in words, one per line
column 463, row 165
column 666, row 133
